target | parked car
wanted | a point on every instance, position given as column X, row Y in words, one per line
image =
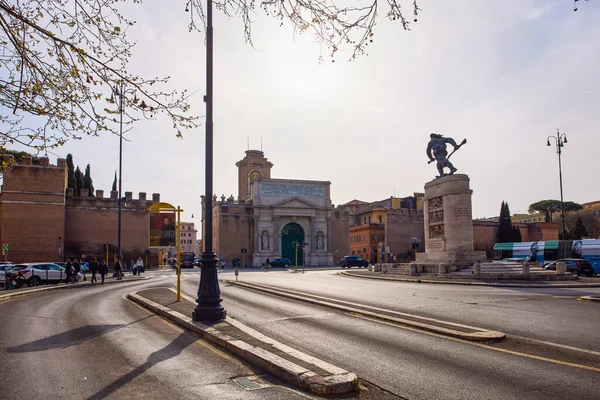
column 280, row 262
column 512, row 261
column 576, row 266
column 33, row 274
column 353, row 261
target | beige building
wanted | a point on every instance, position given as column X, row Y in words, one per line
column 188, row 237
column 277, row 218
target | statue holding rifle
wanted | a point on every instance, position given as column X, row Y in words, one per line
column 436, row 151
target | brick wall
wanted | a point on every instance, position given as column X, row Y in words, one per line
column 340, row 235
column 401, row 226
column 33, row 210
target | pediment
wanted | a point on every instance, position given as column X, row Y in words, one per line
column 294, row 202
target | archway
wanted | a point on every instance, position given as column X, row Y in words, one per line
column 291, row 235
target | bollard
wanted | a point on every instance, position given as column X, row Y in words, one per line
column 525, row 269
column 442, row 269
column 370, row 267
column 561, row 268
column 477, row 269
column 236, row 271
column 413, row 269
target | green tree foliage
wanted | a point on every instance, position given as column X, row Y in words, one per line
column 505, row 228
column 516, row 237
column 87, row 181
column 580, row 231
column 78, row 181
column 114, row 186
column 549, row 207
column 61, row 60
column 71, row 182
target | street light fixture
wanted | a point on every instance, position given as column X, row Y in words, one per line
column 561, row 139
column 209, row 300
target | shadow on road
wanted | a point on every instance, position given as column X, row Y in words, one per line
column 173, row 349
column 69, row 338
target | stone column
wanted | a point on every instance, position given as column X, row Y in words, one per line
column 276, row 234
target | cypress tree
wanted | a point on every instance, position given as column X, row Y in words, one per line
column 517, row 237
column 87, row 181
column 580, row 231
column 114, row 186
column 79, row 181
column 505, row 229
column 71, row 182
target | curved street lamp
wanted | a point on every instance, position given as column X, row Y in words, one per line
column 561, row 139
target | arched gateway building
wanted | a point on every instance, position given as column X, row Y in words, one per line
column 278, row 218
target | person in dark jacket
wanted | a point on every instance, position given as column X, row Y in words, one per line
column 94, row 269
column 76, row 269
column 118, row 269
column 103, row 269
column 69, row 271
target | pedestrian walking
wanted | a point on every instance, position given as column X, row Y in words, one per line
column 118, row 269
column 103, row 269
column 69, row 271
column 94, row 269
column 76, row 270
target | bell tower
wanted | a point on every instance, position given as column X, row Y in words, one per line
column 254, row 165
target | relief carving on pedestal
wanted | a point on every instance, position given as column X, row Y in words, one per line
column 436, row 202
column 436, row 230
column 436, row 216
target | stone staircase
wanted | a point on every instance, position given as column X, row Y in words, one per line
column 501, row 269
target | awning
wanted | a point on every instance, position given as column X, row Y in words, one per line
column 503, row 246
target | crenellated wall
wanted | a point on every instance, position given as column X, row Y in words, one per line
column 32, row 205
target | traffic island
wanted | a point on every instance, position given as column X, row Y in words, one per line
column 287, row 363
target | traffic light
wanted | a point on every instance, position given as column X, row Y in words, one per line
column 104, row 248
column 417, row 246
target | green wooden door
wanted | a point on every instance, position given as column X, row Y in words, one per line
column 292, row 233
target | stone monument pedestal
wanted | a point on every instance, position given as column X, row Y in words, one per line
column 449, row 223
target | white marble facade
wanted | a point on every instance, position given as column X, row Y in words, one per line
column 278, row 202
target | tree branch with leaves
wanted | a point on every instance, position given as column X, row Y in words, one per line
column 61, row 62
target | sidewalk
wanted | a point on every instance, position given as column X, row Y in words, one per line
column 289, row 364
column 581, row 282
column 26, row 290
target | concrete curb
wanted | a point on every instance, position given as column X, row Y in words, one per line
column 471, row 283
column 477, row 334
column 340, row 380
column 10, row 296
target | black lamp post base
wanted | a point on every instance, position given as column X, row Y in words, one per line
column 210, row 314
column 209, row 306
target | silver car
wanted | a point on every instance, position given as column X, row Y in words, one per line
column 35, row 273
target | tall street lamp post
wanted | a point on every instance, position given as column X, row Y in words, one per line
column 209, row 300
column 561, row 139
column 118, row 92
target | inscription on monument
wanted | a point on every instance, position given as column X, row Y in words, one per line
column 282, row 189
column 462, row 212
column 435, row 245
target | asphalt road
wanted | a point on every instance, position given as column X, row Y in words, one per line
column 552, row 351
column 92, row 343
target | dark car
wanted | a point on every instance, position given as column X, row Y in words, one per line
column 353, row 261
column 576, row 266
column 280, row 262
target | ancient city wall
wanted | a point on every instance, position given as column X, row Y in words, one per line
column 401, row 226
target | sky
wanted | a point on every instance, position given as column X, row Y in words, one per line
column 505, row 75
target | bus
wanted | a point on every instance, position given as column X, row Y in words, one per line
column 551, row 250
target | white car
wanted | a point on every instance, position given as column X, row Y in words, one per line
column 35, row 273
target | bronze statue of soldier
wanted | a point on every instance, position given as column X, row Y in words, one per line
column 436, row 151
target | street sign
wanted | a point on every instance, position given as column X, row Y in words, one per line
column 4, row 249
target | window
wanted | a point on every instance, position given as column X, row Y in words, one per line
column 379, row 218
column 375, row 236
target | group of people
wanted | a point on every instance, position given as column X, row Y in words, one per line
column 74, row 273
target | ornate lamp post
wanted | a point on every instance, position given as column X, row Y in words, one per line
column 561, row 139
column 209, row 300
